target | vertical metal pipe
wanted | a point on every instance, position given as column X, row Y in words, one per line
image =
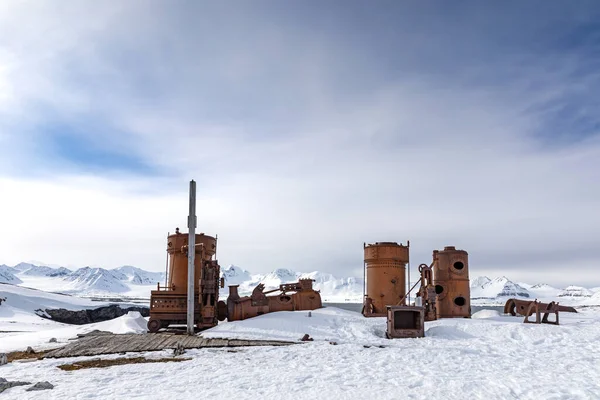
column 167, row 262
column 364, row 272
column 409, row 284
column 191, row 255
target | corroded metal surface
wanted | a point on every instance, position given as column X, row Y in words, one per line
column 451, row 282
column 168, row 305
column 178, row 260
column 292, row 297
column 405, row 322
column 426, row 294
column 542, row 311
column 109, row 344
column 385, row 264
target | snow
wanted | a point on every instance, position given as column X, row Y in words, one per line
column 132, row 322
column 575, row 291
column 7, row 275
column 495, row 357
column 35, row 270
column 485, row 314
column 498, row 287
column 139, row 276
column 23, row 306
column 328, row 324
column 235, row 275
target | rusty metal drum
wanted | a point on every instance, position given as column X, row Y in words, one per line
column 385, row 264
column 178, row 261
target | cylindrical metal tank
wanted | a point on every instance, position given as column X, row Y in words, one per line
column 385, row 264
column 178, row 261
column 451, row 281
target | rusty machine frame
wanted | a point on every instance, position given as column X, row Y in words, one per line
column 542, row 311
column 291, row 297
column 168, row 304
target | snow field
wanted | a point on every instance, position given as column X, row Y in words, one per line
column 132, row 322
column 491, row 357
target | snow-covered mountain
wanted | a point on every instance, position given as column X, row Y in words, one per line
column 7, row 275
column 133, row 282
column 235, row 275
column 486, row 288
column 41, row 270
column 575, row 291
column 95, row 280
column 138, row 276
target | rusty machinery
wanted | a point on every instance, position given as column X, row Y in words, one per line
column 527, row 308
column 168, row 304
column 405, row 322
column 385, row 270
column 291, row 297
column 451, row 281
column 444, row 291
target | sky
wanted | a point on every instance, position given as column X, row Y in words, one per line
column 310, row 128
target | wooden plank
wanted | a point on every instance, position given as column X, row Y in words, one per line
column 109, row 344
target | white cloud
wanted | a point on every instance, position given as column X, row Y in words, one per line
column 296, row 167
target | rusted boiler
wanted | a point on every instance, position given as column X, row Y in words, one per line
column 295, row 296
column 385, row 265
column 451, row 282
column 168, row 304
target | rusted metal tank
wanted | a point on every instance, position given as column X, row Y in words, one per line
column 295, row 296
column 178, row 261
column 168, row 304
column 451, row 282
column 405, row 322
column 385, row 264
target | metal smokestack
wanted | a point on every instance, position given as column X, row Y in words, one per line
column 191, row 255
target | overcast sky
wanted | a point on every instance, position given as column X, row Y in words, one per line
column 310, row 126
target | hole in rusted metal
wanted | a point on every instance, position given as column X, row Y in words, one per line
column 459, row 265
column 460, row 301
column 439, row 289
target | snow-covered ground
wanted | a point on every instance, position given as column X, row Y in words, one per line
column 21, row 310
column 132, row 322
column 489, row 356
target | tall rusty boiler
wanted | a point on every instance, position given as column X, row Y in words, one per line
column 178, row 261
column 451, row 282
column 385, row 272
column 168, row 304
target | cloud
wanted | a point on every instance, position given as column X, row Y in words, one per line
column 308, row 132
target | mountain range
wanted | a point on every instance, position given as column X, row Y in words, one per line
column 132, row 282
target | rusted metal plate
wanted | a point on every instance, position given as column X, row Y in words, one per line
column 405, row 322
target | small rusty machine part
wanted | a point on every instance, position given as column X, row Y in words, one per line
column 451, row 282
column 385, row 266
column 297, row 296
column 168, row 304
column 405, row 322
column 534, row 307
column 426, row 295
column 527, row 308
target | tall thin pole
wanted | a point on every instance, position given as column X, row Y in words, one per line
column 167, row 261
column 364, row 272
column 191, row 255
column 408, row 286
